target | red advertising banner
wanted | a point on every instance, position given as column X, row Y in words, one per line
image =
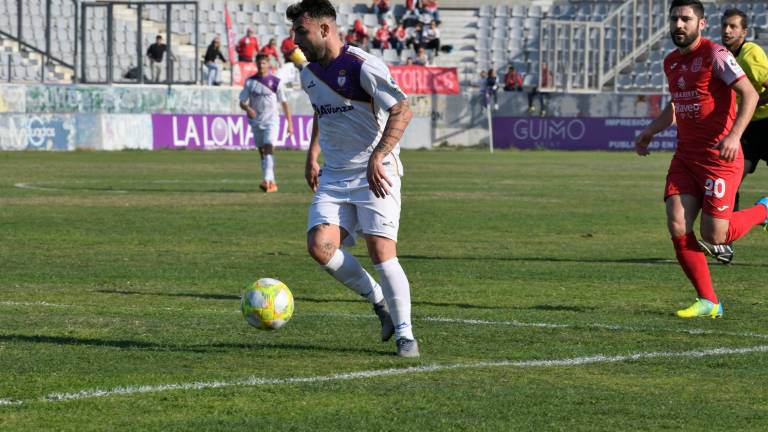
column 240, row 70
column 426, row 79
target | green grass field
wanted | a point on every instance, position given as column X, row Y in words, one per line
column 543, row 286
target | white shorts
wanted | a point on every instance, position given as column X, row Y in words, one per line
column 264, row 135
column 352, row 206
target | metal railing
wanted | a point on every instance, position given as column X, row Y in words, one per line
column 121, row 12
column 27, row 45
column 588, row 56
column 95, row 33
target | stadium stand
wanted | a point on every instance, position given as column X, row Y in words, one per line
column 567, row 35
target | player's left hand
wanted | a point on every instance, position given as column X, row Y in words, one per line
column 378, row 181
column 290, row 129
column 729, row 148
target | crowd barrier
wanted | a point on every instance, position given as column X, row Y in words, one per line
column 54, row 117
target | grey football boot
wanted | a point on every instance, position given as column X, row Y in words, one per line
column 407, row 348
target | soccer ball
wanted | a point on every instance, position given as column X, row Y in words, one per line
column 267, row 304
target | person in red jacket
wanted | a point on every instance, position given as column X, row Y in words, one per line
column 248, row 47
column 292, row 53
column 270, row 50
column 381, row 38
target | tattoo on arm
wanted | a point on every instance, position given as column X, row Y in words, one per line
column 399, row 117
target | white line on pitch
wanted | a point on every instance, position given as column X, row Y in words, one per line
column 9, row 402
column 598, row 326
column 256, row 381
column 35, row 303
column 512, row 323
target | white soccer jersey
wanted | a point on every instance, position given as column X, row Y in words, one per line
column 351, row 98
column 264, row 94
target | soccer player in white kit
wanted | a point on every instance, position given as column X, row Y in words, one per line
column 360, row 116
column 259, row 99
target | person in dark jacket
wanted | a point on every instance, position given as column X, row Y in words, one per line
column 213, row 53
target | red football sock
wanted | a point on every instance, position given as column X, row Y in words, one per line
column 743, row 221
column 694, row 264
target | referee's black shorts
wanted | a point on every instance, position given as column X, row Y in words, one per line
column 754, row 142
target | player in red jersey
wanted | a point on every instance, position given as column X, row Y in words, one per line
column 706, row 169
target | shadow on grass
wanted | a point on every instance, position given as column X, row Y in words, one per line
column 203, row 348
column 561, row 308
column 229, row 297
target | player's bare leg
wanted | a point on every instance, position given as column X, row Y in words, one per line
column 397, row 291
column 324, row 245
column 682, row 211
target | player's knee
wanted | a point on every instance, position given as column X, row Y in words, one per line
column 321, row 250
column 677, row 227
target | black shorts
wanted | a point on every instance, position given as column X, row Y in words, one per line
column 754, row 142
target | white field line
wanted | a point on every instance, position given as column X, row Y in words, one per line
column 30, row 186
column 33, row 303
column 9, row 402
column 367, row 374
column 512, row 323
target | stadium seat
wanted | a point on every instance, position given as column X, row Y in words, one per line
column 485, row 11
column 502, row 11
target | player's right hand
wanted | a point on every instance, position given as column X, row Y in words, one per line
column 312, row 174
column 251, row 113
column 641, row 143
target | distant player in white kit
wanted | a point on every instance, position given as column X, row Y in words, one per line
column 360, row 116
column 259, row 99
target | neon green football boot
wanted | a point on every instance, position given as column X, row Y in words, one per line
column 702, row 308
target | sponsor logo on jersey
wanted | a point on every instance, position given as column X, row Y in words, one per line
column 697, row 62
column 326, row 109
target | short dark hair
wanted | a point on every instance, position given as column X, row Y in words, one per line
column 313, row 8
column 696, row 5
column 262, row 56
column 736, row 12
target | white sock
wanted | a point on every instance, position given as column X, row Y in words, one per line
column 397, row 292
column 264, row 168
column 269, row 168
column 347, row 270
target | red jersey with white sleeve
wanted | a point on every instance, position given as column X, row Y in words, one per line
column 705, row 104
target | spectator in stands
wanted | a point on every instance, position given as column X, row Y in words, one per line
column 292, row 53
column 513, row 81
column 381, row 8
column 491, row 89
column 213, row 53
column 430, row 37
column 429, row 7
column 414, row 38
column 481, row 81
column 360, row 34
column 398, row 38
column 421, row 59
column 411, row 16
column 409, row 61
column 270, row 50
column 248, row 47
column 155, row 54
column 545, row 80
column 381, row 38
